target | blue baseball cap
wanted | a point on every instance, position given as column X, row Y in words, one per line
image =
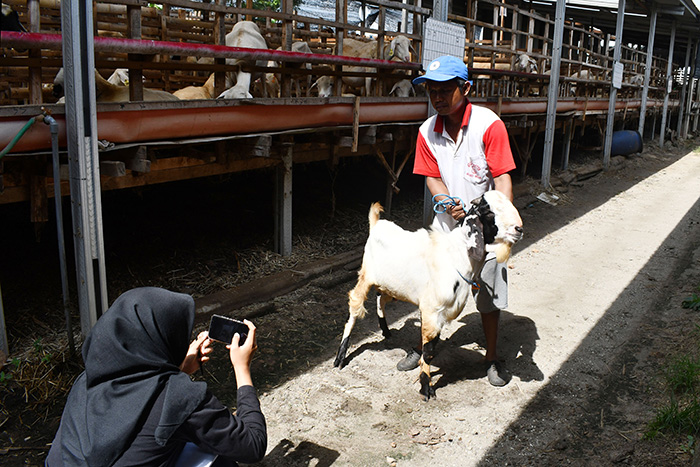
column 444, row 68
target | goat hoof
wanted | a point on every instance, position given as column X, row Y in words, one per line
column 342, row 351
column 427, row 393
column 425, row 388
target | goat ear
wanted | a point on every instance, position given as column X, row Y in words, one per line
column 477, row 201
column 393, row 88
column 413, row 51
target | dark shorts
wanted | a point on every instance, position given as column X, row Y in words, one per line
column 493, row 292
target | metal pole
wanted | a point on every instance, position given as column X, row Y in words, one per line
column 647, row 70
column 669, row 82
column 83, row 159
column 689, row 95
column 684, row 89
column 441, row 9
column 553, row 93
column 404, row 18
column 58, row 199
column 617, row 74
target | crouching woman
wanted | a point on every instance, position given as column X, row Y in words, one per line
column 135, row 403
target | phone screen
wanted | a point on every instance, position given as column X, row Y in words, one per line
column 222, row 329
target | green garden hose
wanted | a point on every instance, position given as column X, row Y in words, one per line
column 19, row 135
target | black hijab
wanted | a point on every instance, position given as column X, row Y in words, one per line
column 133, row 351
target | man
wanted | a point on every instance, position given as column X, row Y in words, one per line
column 463, row 151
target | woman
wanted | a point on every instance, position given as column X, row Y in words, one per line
column 135, row 403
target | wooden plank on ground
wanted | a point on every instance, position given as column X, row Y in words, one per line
column 269, row 287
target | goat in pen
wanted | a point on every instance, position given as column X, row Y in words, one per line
column 433, row 270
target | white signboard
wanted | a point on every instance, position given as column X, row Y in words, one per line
column 442, row 38
column 618, row 72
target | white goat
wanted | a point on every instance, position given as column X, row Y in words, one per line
column 108, row 92
column 399, row 49
column 525, row 63
column 120, row 77
column 403, row 88
column 324, row 84
column 637, row 80
column 431, row 269
column 272, row 80
column 244, row 34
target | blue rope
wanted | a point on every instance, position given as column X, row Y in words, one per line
column 475, row 285
column 441, row 206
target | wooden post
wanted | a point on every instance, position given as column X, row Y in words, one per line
column 220, row 39
column 283, row 199
column 355, row 123
column 35, row 96
column 340, row 15
column 133, row 31
column 568, row 131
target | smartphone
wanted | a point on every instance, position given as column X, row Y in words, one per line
column 222, row 329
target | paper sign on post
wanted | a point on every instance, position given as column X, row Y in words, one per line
column 618, row 71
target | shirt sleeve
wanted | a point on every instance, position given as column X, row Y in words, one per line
column 241, row 437
column 497, row 149
column 425, row 162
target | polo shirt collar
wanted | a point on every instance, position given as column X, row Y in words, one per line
column 440, row 124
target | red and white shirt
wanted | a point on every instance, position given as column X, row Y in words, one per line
column 466, row 166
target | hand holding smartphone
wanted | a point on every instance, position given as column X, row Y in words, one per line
column 222, row 329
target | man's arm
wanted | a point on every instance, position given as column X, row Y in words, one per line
column 504, row 184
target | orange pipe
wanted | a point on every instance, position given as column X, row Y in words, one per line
column 129, row 126
column 176, row 121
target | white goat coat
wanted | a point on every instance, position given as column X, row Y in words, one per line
column 422, row 267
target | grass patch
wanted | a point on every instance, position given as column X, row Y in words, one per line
column 680, row 415
column 692, row 302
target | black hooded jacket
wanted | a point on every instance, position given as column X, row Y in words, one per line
column 133, row 406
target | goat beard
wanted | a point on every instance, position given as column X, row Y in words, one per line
column 502, row 251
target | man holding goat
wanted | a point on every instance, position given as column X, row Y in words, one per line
column 463, row 152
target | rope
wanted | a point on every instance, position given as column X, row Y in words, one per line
column 441, row 206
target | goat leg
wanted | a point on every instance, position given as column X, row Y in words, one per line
column 382, row 300
column 426, row 389
column 356, row 300
column 344, row 343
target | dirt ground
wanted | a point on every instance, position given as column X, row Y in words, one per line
column 595, row 311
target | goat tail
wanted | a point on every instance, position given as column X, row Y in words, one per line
column 374, row 211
